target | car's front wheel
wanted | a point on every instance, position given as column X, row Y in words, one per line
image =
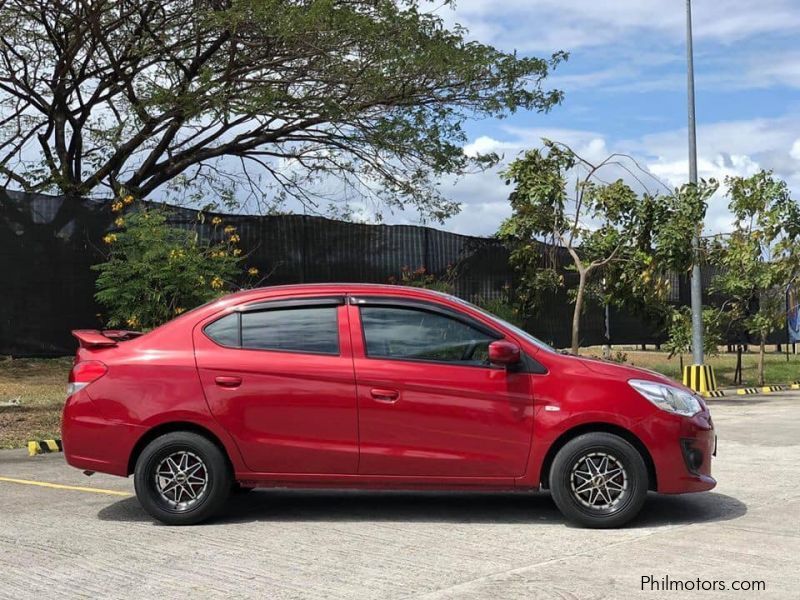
column 599, row 480
column 182, row 478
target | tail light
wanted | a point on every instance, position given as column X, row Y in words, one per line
column 85, row 373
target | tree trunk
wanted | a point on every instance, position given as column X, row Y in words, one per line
column 737, row 375
column 576, row 316
column 762, row 349
column 680, row 360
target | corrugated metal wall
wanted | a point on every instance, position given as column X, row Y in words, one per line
column 48, row 244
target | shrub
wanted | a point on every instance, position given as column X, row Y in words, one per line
column 504, row 307
column 156, row 271
column 422, row 278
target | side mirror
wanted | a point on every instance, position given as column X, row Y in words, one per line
column 503, row 352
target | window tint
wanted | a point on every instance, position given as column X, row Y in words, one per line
column 392, row 332
column 225, row 331
column 309, row 329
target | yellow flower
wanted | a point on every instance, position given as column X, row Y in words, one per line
column 229, row 229
column 237, row 251
column 216, row 221
column 128, row 199
column 179, row 310
column 117, row 206
column 217, row 283
column 133, row 321
column 109, row 238
column 252, row 271
column 234, row 238
column 119, row 222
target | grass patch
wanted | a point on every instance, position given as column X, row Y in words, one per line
column 40, row 385
column 776, row 368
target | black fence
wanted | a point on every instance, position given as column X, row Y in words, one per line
column 48, row 244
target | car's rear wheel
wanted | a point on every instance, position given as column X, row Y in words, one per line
column 599, row 480
column 182, row 478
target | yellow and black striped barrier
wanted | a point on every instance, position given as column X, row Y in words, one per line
column 746, row 391
column 772, row 388
column 795, row 385
column 700, row 378
column 44, row 447
column 714, row 394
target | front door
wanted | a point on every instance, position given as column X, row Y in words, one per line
column 279, row 377
column 430, row 405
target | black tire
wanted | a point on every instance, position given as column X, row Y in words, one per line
column 617, row 498
column 175, row 505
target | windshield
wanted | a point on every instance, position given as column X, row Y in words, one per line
column 520, row 332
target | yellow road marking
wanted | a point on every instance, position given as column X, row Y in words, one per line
column 58, row 486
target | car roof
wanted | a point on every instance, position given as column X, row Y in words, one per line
column 340, row 288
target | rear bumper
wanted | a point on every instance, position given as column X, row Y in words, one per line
column 91, row 442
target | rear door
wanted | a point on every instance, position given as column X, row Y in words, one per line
column 430, row 405
column 279, row 376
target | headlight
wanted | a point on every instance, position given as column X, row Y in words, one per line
column 667, row 397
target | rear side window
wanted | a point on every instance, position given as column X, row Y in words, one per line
column 225, row 331
column 312, row 329
column 412, row 334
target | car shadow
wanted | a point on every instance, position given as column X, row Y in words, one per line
column 435, row 507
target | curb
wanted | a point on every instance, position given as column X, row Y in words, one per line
column 773, row 388
column 44, row 447
column 714, row 394
column 747, row 391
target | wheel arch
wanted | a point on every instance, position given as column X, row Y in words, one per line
column 170, row 427
column 598, row 427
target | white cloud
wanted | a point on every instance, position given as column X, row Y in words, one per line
column 795, row 151
column 555, row 24
column 740, row 44
column 734, row 148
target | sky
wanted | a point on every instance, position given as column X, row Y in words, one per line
column 625, row 91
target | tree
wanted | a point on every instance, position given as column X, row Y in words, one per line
column 155, row 271
column 760, row 257
column 605, row 228
column 257, row 97
column 679, row 332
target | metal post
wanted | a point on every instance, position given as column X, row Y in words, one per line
column 788, row 329
column 607, row 322
column 697, row 282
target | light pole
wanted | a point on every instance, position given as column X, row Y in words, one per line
column 696, row 279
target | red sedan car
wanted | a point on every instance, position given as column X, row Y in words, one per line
column 370, row 386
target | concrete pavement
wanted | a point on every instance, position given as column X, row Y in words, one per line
column 296, row 544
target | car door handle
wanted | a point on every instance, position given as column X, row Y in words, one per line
column 228, row 381
column 383, row 395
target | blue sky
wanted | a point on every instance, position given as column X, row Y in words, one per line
column 625, row 88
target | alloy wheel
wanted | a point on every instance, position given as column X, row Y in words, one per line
column 599, row 481
column 181, row 480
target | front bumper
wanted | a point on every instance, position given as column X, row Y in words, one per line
column 682, row 457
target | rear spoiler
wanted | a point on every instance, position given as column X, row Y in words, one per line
column 94, row 338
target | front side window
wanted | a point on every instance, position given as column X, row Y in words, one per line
column 312, row 329
column 414, row 334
